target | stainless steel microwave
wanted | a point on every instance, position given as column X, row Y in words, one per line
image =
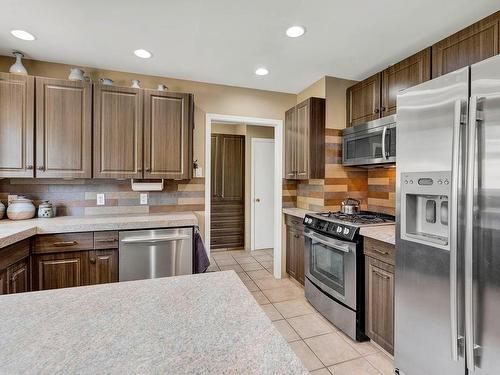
column 371, row 143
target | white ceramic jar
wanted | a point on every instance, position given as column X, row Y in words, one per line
column 162, row 87
column 21, row 209
column 136, row 84
column 106, row 81
column 76, row 74
column 18, row 67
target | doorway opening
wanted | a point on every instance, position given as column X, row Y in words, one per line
column 243, row 186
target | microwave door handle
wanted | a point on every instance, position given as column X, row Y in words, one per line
column 326, row 243
column 384, row 133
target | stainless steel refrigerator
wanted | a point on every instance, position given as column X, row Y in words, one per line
column 447, row 296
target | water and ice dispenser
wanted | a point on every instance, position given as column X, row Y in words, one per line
column 424, row 207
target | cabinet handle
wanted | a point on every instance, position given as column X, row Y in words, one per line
column 107, row 240
column 41, row 168
column 64, row 243
column 30, row 167
column 92, row 260
column 376, row 110
column 148, row 169
column 383, row 109
column 296, row 236
column 380, row 251
column 381, row 275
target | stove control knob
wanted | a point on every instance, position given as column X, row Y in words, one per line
column 346, row 231
column 339, row 229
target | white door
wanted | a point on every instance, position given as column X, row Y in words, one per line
column 262, row 193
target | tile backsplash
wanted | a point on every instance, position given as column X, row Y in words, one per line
column 78, row 197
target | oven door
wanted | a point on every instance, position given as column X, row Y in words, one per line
column 331, row 265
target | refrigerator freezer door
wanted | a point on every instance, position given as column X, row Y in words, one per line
column 484, row 287
column 428, row 284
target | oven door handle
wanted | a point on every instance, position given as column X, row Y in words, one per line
column 314, row 237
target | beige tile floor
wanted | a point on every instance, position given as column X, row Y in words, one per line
column 322, row 348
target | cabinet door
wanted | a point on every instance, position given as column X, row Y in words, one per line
column 103, row 266
column 60, row 270
column 117, row 132
column 168, row 135
column 16, row 125
column 291, row 254
column 232, row 167
column 470, row 45
column 302, row 140
column 290, row 143
column 380, row 303
column 18, row 277
column 299, row 255
column 405, row 74
column 3, row 282
column 63, row 128
column 363, row 101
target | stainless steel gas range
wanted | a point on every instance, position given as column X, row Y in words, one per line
column 334, row 266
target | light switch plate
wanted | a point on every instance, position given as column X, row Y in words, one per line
column 100, row 200
column 144, row 198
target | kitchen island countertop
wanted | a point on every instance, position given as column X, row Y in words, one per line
column 205, row 323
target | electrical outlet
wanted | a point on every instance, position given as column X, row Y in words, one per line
column 144, row 198
column 100, row 200
column 198, row 172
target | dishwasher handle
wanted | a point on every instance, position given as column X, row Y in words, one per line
column 155, row 239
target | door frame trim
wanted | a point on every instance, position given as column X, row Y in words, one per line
column 252, row 188
column 278, row 165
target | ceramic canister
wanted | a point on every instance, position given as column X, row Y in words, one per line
column 136, row 84
column 20, row 209
column 106, row 81
column 76, row 74
column 18, row 67
column 45, row 209
column 162, row 87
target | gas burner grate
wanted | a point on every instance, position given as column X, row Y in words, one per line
column 363, row 217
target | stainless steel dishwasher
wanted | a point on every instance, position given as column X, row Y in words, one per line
column 148, row 254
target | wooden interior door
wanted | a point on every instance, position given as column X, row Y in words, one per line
column 63, row 128
column 469, row 46
column 302, row 140
column 168, row 135
column 405, row 74
column 16, row 125
column 60, row 270
column 363, row 101
column 290, row 143
column 118, row 127
column 103, row 266
column 227, row 214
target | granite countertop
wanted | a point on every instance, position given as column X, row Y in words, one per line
column 205, row 323
column 14, row 231
column 385, row 233
column 297, row 212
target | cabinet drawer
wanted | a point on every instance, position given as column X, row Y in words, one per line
column 106, row 240
column 382, row 251
column 294, row 221
column 57, row 243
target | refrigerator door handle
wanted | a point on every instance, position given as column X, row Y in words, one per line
column 459, row 121
column 472, row 155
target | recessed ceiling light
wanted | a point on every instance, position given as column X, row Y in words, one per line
column 142, row 53
column 21, row 34
column 295, row 31
column 262, row 72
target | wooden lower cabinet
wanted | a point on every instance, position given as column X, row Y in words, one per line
column 60, row 270
column 295, row 249
column 15, row 268
column 379, row 302
column 103, row 266
column 18, row 277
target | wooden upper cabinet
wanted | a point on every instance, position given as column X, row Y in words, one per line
column 63, row 128
column 168, row 133
column 117, row 132
column 407, row 73
column 363, row 101
column 305, row 140
column 468, row 46
column 16, row 125
column 290, row 143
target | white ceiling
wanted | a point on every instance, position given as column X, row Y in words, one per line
column 224, row 41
